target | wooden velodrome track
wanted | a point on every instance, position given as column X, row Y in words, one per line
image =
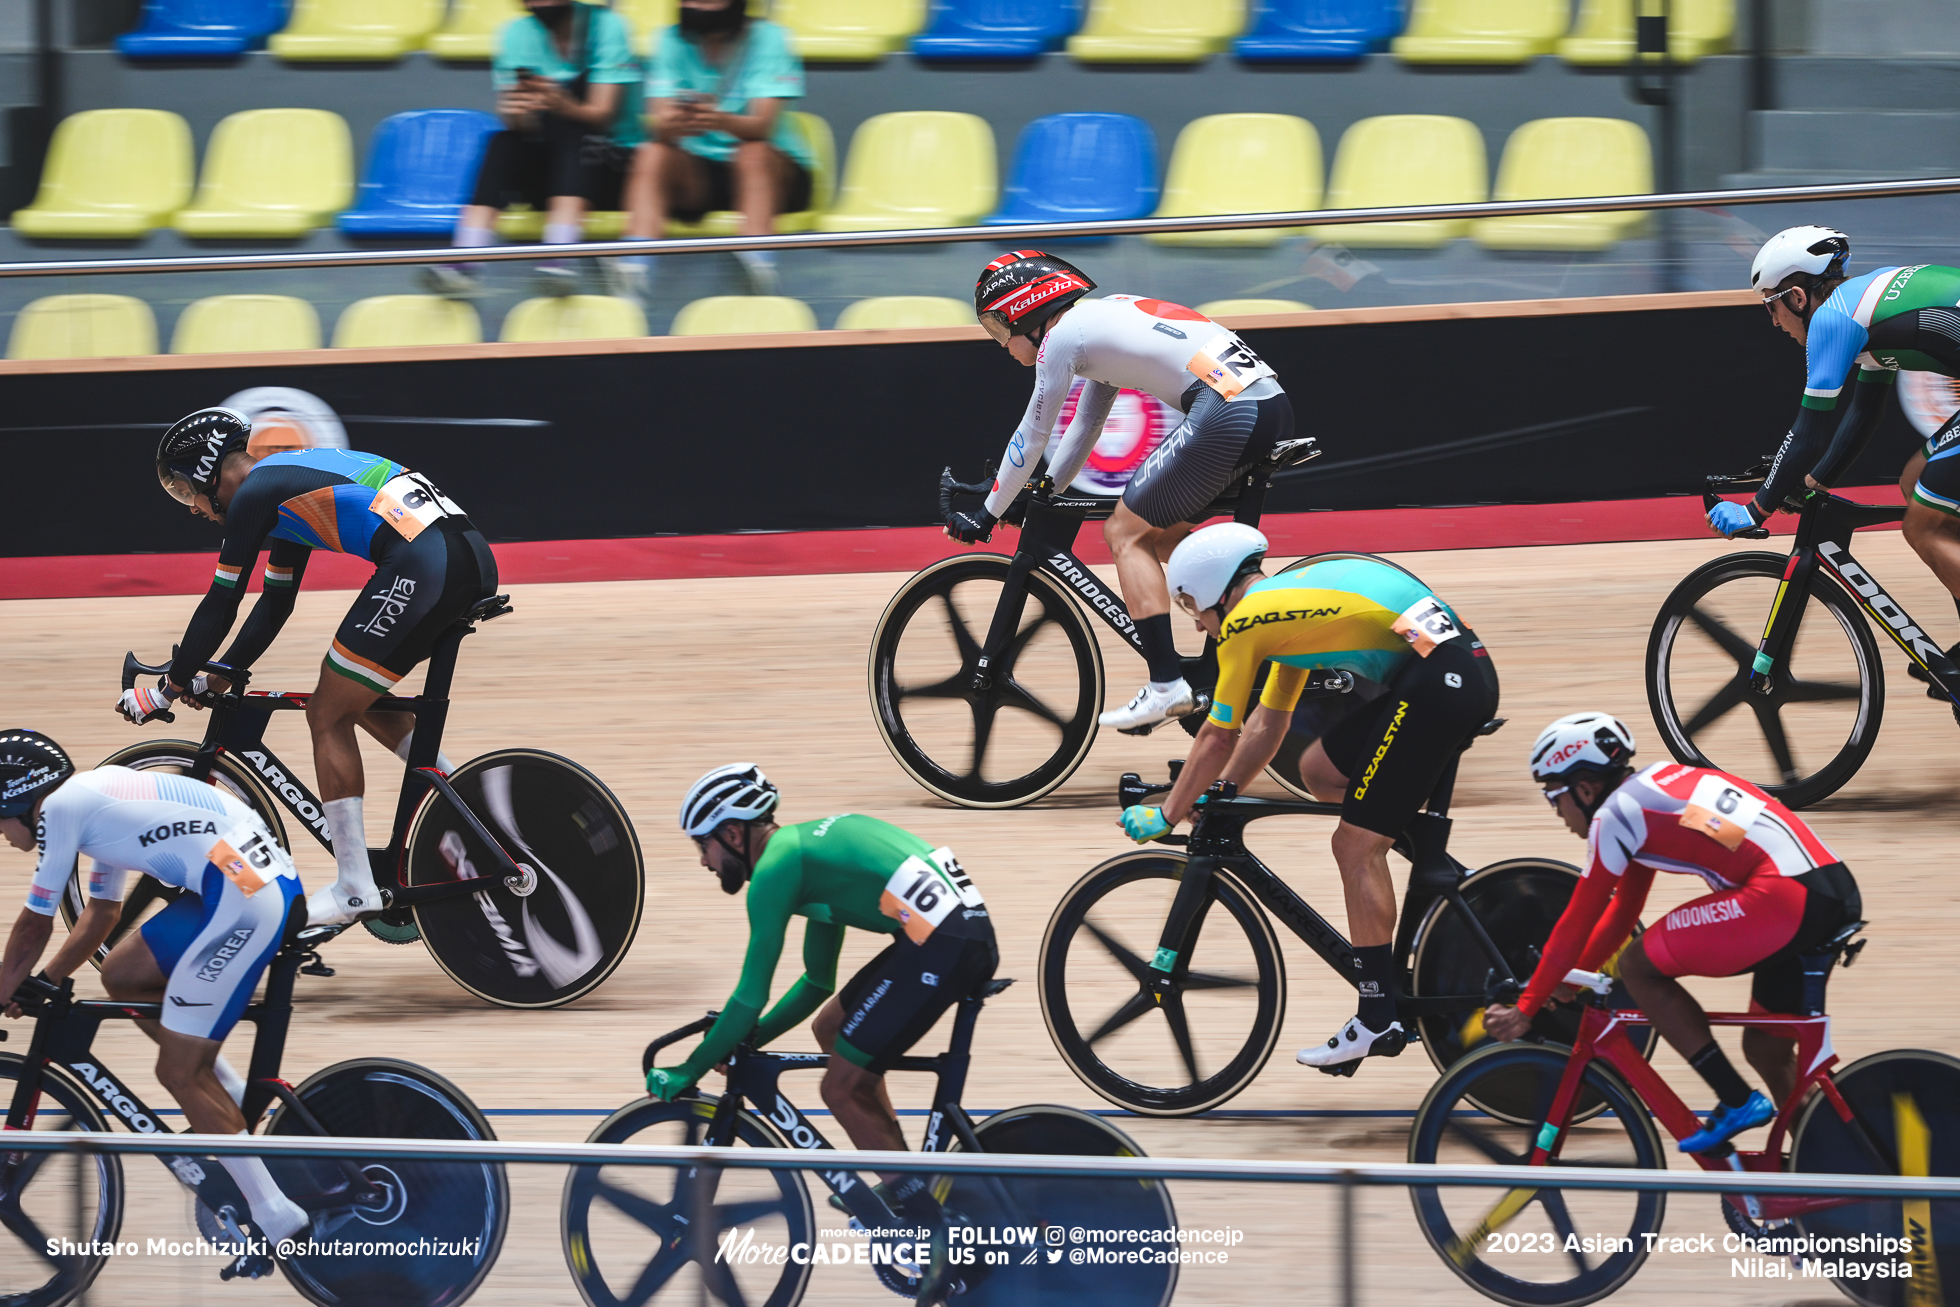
column 648, row 683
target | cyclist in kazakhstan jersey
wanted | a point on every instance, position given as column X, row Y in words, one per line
column 1032, row 304
column 201, row 957
column 430, row 567
column 1379, row 763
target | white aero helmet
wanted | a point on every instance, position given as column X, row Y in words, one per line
column 1208, row 563
column 1585, row 741
column 737, row 791
column 1811, row 249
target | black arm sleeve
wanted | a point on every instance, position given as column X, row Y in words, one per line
column 1796, row 456
column 275, row 605
column 1855, row 428
column 249, row 520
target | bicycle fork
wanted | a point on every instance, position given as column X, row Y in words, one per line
column 1785, row 615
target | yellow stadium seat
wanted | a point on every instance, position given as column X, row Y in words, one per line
column 272, row 172
column 574, row 317
column 1216, row 309
column 356, row 29
column 1156, row 31
column 246, row 324
column 905, row 313
column 1481, row 31
column 1603, row 33
column 1413, row 158
column 849, row 30
column 398, row 320
column 823, row 189
column 924, row 169
column 110, row 173
column 742, row 315
column 1555, row 158
column 470, row 32
column 83, row 327
column 1241, row 163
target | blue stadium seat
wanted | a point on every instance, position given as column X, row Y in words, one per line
column 1081, row 167
column 202, row 29
column 1292, row 31
column 997, row 29
column 420, row 172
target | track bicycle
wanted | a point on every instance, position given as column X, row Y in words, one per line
column 533, row 916
column 630, row 1231
column 1893, row 1113
column 62, row 1084
column 1182, row 1029
column 945, row 719
column 1806, row 732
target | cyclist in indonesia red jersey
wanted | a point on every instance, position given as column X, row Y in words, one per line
column 1775, row 891
column 1032, row 303
column 431, row 566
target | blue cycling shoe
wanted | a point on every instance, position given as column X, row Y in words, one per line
column 1726, row 1122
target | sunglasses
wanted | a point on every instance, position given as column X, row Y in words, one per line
column 1552, row 796
column 1769, row 301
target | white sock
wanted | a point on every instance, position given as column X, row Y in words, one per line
column 641, row 262
column 1165, row 687
column 278, row 1216
column 473, row 238
column 229, row 1079
column 442, row 759
column 350, row 854
column 563, row 233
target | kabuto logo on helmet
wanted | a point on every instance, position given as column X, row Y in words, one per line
column 1015, row 306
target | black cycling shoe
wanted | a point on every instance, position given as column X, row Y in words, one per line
column 1933, row 692
column 941, row 1281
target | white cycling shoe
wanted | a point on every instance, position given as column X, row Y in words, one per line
column 1354, row 1042
column 1157, row 701
column 337, row 905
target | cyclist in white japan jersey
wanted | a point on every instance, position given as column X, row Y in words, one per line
column 1235, row 413
column 201, row 957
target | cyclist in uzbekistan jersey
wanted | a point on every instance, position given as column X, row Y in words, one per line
column 1235, row 412
column 1775, row 892
column 1380, row 762
column 430, row 567
column 201, row 957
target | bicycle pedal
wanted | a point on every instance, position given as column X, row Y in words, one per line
column 1341, row 1068
column 1139, row 730
column 249, row 1266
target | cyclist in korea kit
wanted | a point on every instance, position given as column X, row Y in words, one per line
column 430, row 567
column 1775, row 892
column 1380, row 762
column 201, row 957
column 1032, row 303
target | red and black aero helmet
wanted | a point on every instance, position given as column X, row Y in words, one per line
column 1019, row 291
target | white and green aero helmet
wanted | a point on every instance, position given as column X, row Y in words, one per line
column 1810, row 249
column 737, row 791
column 1208, row 563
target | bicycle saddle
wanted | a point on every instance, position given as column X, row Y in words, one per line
column 1840, row 943
column 1491, row 727
column 1292, row 453
column 998, row 986
column 485, row 610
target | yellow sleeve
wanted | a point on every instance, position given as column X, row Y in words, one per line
column 1238, row 663
column 1283, row 686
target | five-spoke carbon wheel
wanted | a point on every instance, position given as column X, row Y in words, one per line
column 1815, row 727
column 985, row 737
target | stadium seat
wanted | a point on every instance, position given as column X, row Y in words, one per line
column 848, row 31
column 272, row 172
column 398, row 320
column 1241, row 163
column 111, row 173
column 245, row 324
column 1603, row 33
column 996, row 29
column 83, row 327
column 574, row 317
column 742, row 315
column 1216, row 309
column 358, row 30
column 1081, row 167
column 925, row 169
column 202, row 29
column 421, row 171
column 905, row 313
column 823, row 188
column 1156, row 31
column 1481, row 31
column 470, row 32
column 1316, row 31
column 1554, row 158
column 1413, row 158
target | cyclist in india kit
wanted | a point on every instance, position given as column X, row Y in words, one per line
column 1775, row 892
column 431, row 566
column 1235, row 413
column 201, row 957
column 1380, row 762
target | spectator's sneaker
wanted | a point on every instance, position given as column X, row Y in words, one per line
column 554, row 280
column 452, row 281
column 1156, row 702
column 760, row 268
column 1354, row 1041
column 1726, row 1122
column 628, row 281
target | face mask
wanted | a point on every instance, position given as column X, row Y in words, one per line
column 714, row 22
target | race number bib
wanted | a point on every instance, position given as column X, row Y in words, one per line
column 1227, row 365
column 1425, row 625
column 249, row 859
column 923, row 891
column 1722, row 811
column 410, row 505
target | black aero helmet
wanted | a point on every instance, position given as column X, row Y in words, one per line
column 193, row 451
column 31, row 765
column 1020, row 290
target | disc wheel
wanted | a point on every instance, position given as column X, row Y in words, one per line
column 148, row 896
column 1814, row 729
column 1534, row 1245
column 55, row 1196
column 634, row 1233
column 996, row 737
column 571, row 927
column 1178, row 1051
